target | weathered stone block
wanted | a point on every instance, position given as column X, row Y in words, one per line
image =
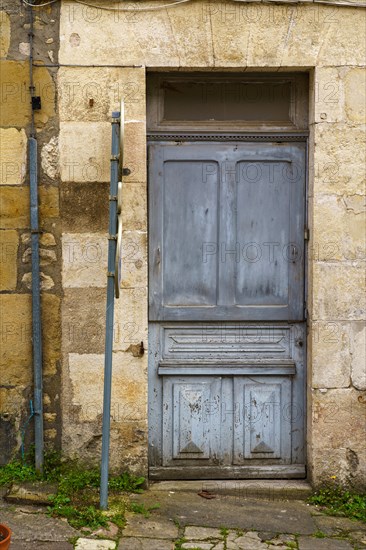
column 4, row 33
column 134, row 206
column 129, row 388
column 83, row 320
column 51, row 335
column 339, row 228
column 355, row 88
column 85, row 206
column 134, row 259
column 339, row 291
column 13, row 156
column 135, row 151
column 328, row 99
column 358, row 355
column 339, row 159
column 50, row 158
column 85, row 151
column 91, row 94
column 16, row 344
column 16, row 109
column 327, row 410
column 14, row 205
column 330, row 339
column 85, row 258
column 130, row 313
column 9, row 243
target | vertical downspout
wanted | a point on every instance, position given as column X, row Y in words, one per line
column 104, row 469
column 36, row 294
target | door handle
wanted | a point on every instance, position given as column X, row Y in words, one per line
column 157, row 260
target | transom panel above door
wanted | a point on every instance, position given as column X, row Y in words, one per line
column 226, row 231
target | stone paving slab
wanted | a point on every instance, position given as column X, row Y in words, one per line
column 202, row 533
column 29, row 527
column 93, row 544
column 334, row 525
column 157, row 527
column 311, row 543
column 36, row 545
column 132, row 543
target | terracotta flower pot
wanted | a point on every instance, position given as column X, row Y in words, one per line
column 5, row 535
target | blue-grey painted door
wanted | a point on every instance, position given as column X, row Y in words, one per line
column 226, row 309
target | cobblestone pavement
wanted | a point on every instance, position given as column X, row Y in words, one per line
column 184, row 520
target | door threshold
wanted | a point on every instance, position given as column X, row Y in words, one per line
column 283, row 471
column 269, row 489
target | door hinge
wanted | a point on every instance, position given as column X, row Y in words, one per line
column 306, row 233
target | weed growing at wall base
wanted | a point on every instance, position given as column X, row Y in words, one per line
column 335, row 501
column 77, row 496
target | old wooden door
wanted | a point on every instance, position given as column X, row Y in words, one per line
column 226, row 309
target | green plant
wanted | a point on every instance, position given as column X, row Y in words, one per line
column 334, row 500
column 141, row 508
column 179, row 542
column 224, row 531
column 319, row 534
column 77, row 497
column 17, row 471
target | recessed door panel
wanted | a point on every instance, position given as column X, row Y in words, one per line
column 190, row 216
column 227, row 231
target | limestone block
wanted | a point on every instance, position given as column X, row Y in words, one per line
column 355, row 86
column 129, row 387
column 339, row 159
column 134, row 259
column 358, row 356
column 48, row 202
column 327, row 410
column 341, row 463
column 9, row 243
column 339, row 228
column 328, row 96
column 85, row 259
column 213, row 33
column 50, row 158
column 85, row 206
column 338, row 291
column 85, row 151
column 16, row 344
column 13, row 156
column 15, row 94
column 130, row 311
column 330, row 339
column 342, row 36
column 92, row 94
column 4, row 33
column 139, row 38
column 134, row 206
column 83, row 320
column 51, row 335
column 14, row 207
column 135, row 151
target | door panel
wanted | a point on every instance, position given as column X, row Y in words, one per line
column 226, row 310
column 189, row 216
column 227, row 231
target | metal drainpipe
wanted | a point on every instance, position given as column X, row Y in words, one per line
column 36, row 294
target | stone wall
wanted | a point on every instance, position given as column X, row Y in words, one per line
column 104, row 56
column 15, row 281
